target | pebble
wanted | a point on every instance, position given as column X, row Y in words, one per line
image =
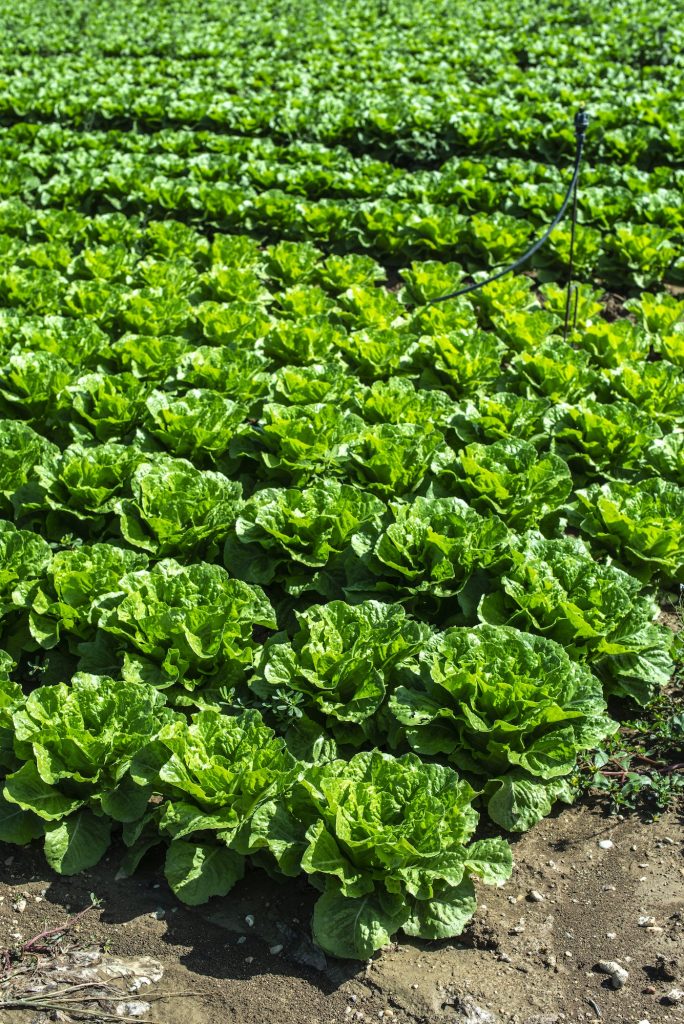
column 649, row 990
column 606, row 844
column 241, row 939
column 618, row 975
column 249, row 959
column 610, row 888
column 278, row 948
column 655, row 929
column 159, row 914
column 646, row 922
column 611, row 935
column 534, row 896
column 19, row 906
column 674, row 996
column 249, row 920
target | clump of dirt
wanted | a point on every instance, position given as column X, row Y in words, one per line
column 585, row 888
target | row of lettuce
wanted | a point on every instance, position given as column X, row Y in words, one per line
column 630, row 252
column 385, row 838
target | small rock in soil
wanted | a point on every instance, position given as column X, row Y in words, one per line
column 646, row 922
column 606, row 844
column 667, row 969
column 617, row 974
column 673, row 997
column 534, row 896
column 19, row 906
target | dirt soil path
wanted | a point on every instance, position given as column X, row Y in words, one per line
column 527, row 958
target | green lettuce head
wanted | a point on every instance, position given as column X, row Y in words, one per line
column 509, row 708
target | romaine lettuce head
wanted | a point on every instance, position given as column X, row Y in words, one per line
column 179, row 623
column 599, row 440
column 324, row 382
column 509, row 478
column 24, row 559
column 398, row 400
column 555, row 371
column 341, row 659
column 21, row 451
column 433, row 546
column 492, row 699
column 460, row 363
column 557, row 588
column 225, row 778
column 34, row 383
column 279, row 531
column 76, row 578
column 297, row 443
column 77, row 743
column 656, row 388
column 199, row 424
column 218, row 764
column 230, row 371
column 393, row 459
column 88, row 731
column 176, row 509
column 111, row 405
column 87, row 481
column 640, row 524
column 499, row 417
column 11, row 699
column 665, row 457
column 388, row 847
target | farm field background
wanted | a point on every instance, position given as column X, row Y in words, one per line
column 302, row 573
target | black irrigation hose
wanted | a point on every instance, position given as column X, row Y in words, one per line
column 581, row 125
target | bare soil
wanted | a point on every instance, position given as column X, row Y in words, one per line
column 523, row 960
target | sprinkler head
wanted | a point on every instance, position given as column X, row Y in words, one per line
column 581, row 122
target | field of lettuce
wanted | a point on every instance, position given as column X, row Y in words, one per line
column 298, row 571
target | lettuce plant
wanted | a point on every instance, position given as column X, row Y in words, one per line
column 76, row 743
column 183, row 625
column 641, row 525
column 176, row 509
column 295, row 444
column 389, row 848
column 509, row 708
column 599, row 440
column 393, row 459
column 74, row 580
column 431, row 548
column 511, row 479
column 596, row 612
column 555, row 371
column 657, row 389
column 24, row 561
column 22, row 450
column 218, row 773
column 199, row 425
column 342, row 659
column 281, row 535
column 499, row 417
column 84, row 482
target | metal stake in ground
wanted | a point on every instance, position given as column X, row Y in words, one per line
column 581, row 125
